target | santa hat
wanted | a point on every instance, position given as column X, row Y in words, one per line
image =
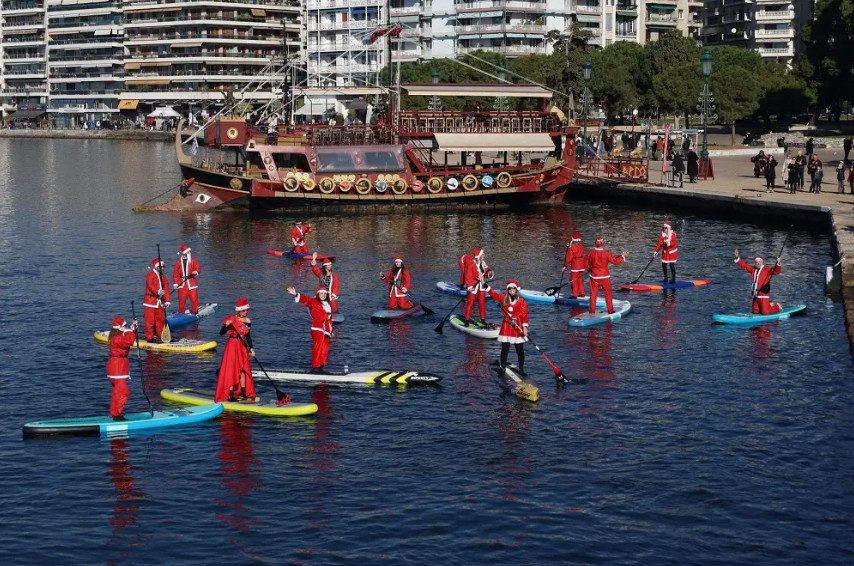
column 477, row 252
column 758, row 259
column 666, row 223
column 154, row 263
column 576, row 236
column 600, row 241
column 242, row 304
column 118, row 322
column 513, row 283
column 322, row 289
column 398, row 258
column 184, row 249
column 327, row 261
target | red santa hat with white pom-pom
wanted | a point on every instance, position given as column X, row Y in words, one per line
column 242, row 304
column 118, row 322
column 154, row 263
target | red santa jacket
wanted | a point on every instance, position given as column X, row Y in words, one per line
column 598, row 260
column 236, row 329
column 121, row 341
column 575, row 260
column 331, row 282
column 155, row 283
column 398, row 280
column 182, row 272
column 761, row 277
column 515, row 311
column 667, row 245
column 474, row 271
column 298, row 234
column 320, row 312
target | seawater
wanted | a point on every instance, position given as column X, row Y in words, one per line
column 688, row 443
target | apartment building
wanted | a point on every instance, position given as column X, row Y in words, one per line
column 23, row 54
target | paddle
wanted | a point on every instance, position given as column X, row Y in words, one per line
column 558, row 374
column 165, row 333
column 282, row 398
column 553, row 290
column 645, row 268
column 427, row 311
column 183, row 188
column 783, row 247
column 139, row 360
column 441, row 325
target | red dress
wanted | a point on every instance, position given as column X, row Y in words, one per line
column 398, row 280
column 332, row 284
column 513, row 311
column 152, row 311
column 667, row 244
column 298, row 234
column 762, row 287
column 577, row 265
column 321, row 328
column 188, row 284
column 235, row 361
column 118, row 369
column 598, row 261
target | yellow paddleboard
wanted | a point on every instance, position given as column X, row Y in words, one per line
column 184, row 345
column 270, row 408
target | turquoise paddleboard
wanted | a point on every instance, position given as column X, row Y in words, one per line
column 749, row 318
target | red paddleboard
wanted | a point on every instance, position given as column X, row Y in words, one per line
column 292, row 255
column 664, row 286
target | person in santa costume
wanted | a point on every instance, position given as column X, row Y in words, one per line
column 669, row 252
column 321, row 325
column 576, row 262
column 514, row 326
column 298, row 234
column 118, row 366
column 761, row 275
column 399, row 283
column 185, row 278
column 328, row 279
column 234, row 378
column 474, row 278
column 155, row 300
column 598, row 261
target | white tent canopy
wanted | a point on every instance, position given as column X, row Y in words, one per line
column 164, row 112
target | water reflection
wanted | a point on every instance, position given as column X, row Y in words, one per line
column 513, row 464
column 760, row 338
column 665, row 329
column 240, row 475
column 128, row 497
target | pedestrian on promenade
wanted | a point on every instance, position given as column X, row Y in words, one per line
column 784, row 170
column 678, row 168
column 770, row 174
column 693, row 167
column 815, row 186
column 800, row 165
column 851, row 178
column 812, row 165
column 795, row 176
column 809, row 147
column 846, row 145
column 840, row 178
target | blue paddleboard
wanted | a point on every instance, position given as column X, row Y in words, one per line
column 621, row 309
column 180, row 319
column 749, row 318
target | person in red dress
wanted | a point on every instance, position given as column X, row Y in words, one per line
column 669, row 251
column 234, row 379
column 155, row 300
column 514, row 325
column 185, row 278
column 576, row 262
column 328, row 279
column 474, row 277
column 298, row 234
column 598, row 261
column 761, row 275
column 399, row 283
column 321, row 325
column 118, row 366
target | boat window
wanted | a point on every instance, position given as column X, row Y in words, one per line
column 334, row 161
column 360, row 158
column 382, row 160
column 255, row 159
column 291, row 161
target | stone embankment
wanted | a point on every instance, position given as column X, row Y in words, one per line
column 137, row 135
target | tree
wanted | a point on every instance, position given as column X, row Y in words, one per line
column 736, row 84
column 829, row 47
column 616, row 70
column 673, row 67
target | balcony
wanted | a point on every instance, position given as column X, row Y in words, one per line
column 500, row 28
column 657, row 19
column 626, row 36
column 588, row 9
column 787, row 33
column 775, row 15
column 404, row 11
column 337, row 46
column 334, row 4
column 776, row 51
column 352, row 24
column 407, row 55
column 342, row 69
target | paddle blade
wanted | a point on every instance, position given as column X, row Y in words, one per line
column 551, row 291
column 283, row 398
column 527, row 391
column 427, row 311
column 166, row 334
column 440, row 326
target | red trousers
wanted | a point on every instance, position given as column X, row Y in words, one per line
column 154, row 321
column 481, row 304
column 577, row 279
column 401, row 303
column 121, row 393
column 319, row 349
column 765, row 306
column 303, row 249
column 193, row 294
column 605, row 285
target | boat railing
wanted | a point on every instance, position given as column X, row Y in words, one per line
column 478, row 122
column 617, row 169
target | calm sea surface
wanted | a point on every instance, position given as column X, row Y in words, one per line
column 688, row 443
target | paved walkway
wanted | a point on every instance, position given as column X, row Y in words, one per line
column 735, row 186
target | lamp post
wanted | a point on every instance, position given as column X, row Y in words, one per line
column 587, row 69
column 706, row 99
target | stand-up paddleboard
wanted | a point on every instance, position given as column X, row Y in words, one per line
column 372, row 377
column 664, row 285
column 259, row 406
column 387, row 315
column 180, row 319
column 337, row 318
column 292, row 255
column 621, row 309
column 452, row 288
column 92, row 426
column 512, row 381
column 749, row 318
column 561, row 298
column 490, row 331
column 182, row 346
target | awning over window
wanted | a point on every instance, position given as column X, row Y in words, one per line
column 258, row 12
column 187, row 44
column 128, row 104
column 147, row 81
column 132, row 66
column 152, row 8
column 494, row 142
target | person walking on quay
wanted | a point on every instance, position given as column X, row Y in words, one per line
column 598, row 260
column 475, row 273
column 800, row 165
column 770, row 174
column 810, row 146
column 851, row 178
column 514, row 325
column 817, row 178
column 678, row 166
column 846, row 146
column 840, row 178
column 185, row 278
column 793, row 176
column 118, row 366
column 693, row 166
column 328, row 279
column 761, row 275
column 298, row 234
column 234, row 378
column 321, row 325
column 667, row 245
column 813, row 164
column 576, row 262
column 399, row 283
column 155, row 300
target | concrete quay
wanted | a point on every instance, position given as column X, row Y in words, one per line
column 735, row 190
column 133, row 135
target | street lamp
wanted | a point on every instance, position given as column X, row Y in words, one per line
column 587, row 69
column 706, row 68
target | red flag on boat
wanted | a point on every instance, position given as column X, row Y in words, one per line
column 386, row 31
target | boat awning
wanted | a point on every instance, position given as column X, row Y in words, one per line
column 494, row 142
column 487, row 89
column 128, row 104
